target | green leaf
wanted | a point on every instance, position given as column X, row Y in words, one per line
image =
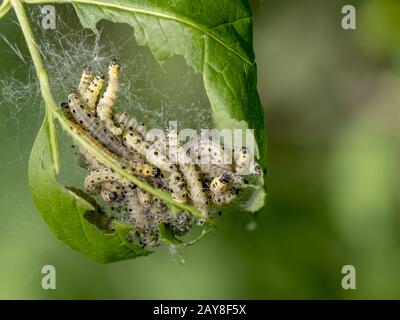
column 68, row 211
column 215, row 38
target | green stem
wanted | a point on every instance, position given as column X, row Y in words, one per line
column 53, row 112
column 42, row 76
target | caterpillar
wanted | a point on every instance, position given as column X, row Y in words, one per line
column 191, row 175
column 146, row 231
column 96, row 178
column 112, row 192
column 91, row 95
column 90, row 122
column 139, row 168
column 175, row 181
column 135, row 142
column 206, row 151
column 130, row 123
column 177, row 187
column 86, row 79
column 135, row 210
column 106, row 103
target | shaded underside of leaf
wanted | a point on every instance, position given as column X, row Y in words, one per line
column 66, row 212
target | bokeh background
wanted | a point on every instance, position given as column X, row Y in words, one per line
column 332, row 106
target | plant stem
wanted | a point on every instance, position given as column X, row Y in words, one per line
column 53, row 112
column 42, row 76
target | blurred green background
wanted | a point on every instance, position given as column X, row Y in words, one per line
column 332, row 106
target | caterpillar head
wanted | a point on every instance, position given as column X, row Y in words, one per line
column 114, row 66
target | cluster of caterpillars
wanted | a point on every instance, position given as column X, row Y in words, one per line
column 91, row 113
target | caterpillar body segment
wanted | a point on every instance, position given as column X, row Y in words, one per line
column 135, row 142
column 134, row 125
column 107, row 101
column 112, row 191
column 130, row 123
column 91, row 95
column 135, row 210
column 206, row 151
column 192, row 178
column 176, row 184
column 84, row 83
column 97, row 129
column 177, row 187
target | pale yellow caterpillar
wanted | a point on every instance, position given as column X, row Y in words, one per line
column 135, row 210
column 206, row 151
column 135, row 142
column 84, row 83
column 145, row 229
column 177, row 187
column 148, row 238
column 137, row 167
column 106, row 103
column 192, row 177
column 91, row 95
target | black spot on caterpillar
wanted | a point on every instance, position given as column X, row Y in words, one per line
column 177, row 187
